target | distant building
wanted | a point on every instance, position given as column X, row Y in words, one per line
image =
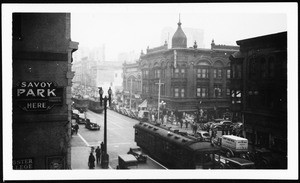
column 91, row 74
column 259, row 91
column 42, row 80
column 193, row 78
column 132, row 85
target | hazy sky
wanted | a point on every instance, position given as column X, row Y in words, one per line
column 133, row 27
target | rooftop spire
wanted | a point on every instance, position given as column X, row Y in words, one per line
column 179, row 23
column 179, row 39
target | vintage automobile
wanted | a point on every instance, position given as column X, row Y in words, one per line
column 127, row 161
column 203, row 135
column 137, row 153
column 226, row 123
column 79, row 117
column 91, row 126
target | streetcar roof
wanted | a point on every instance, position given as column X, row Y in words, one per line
column 163, row 132
column 204, row 146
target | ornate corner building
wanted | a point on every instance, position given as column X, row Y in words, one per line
column 191, row 78
column 42, row 80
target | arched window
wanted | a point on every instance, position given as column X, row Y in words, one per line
column 218, row 65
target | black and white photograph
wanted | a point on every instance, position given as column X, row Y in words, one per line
column 150, row 91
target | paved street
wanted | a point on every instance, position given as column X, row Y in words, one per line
column 120, row 137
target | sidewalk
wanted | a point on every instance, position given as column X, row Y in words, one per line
column 80, row 156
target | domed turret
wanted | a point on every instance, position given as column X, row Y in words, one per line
column 179, row 38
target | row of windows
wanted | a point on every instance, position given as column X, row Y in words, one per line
column 181, row 73
column 133, row 85
column 180, row 92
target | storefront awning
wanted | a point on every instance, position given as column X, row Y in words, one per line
column 143, row 104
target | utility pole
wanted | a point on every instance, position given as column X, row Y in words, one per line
column 158, row 102
column 130, row 93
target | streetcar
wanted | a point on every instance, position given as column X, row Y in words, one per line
column 174, row 150
column 94, row 105
column 81, row 104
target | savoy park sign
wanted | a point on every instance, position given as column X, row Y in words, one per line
column 37, row 95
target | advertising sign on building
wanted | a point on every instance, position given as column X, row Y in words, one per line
column 23, row 164
column 37, row 95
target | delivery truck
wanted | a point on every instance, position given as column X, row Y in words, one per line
column 234, row 146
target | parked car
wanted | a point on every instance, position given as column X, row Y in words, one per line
column 226, row 123
column 80, row 117
column 208, row 125
column 92, row 126
column 137, row 153
column 203, row 135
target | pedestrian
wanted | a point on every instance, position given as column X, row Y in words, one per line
column 186, row 124
column 92, row 149
column 91, row 161
column 181, row 122
column 98, row 154
column 76, row 127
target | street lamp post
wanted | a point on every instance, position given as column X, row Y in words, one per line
column 105, row 157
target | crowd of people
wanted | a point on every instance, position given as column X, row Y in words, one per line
column 182, row 119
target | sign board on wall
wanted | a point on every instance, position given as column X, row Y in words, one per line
column 23, row 164
column 37, row 95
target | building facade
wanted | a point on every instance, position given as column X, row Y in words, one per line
column 132, row 85
column 259, row 88
column 191, row 78
column 42, row 61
